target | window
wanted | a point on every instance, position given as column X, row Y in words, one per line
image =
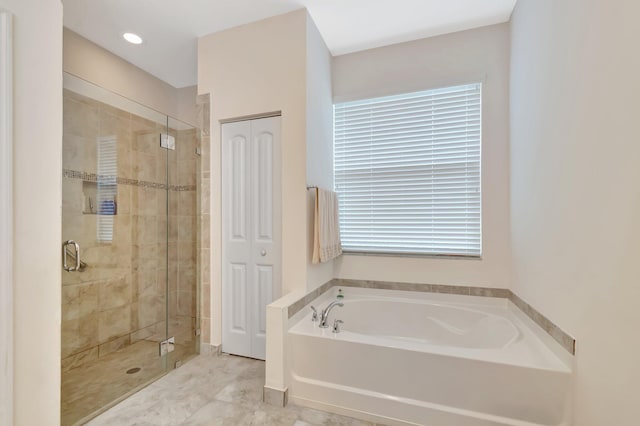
column 107, row 186
column 407, row 172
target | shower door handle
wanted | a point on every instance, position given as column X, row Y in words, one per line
column 65, row 254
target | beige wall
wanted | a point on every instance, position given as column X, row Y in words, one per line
column 469, row 56
column 91, row 62
column 575, row 176
column 37, row 221
column 187, row 107
column 319, row 141
column 253, row 69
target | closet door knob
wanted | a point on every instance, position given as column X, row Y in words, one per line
column 263, row 252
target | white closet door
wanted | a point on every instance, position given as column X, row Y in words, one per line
column 236, row 251
column 251, row 232
column 265, row 229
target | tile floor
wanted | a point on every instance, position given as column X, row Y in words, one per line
column 213, row 390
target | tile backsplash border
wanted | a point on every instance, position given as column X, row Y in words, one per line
column 93, row 177
column 565, row 340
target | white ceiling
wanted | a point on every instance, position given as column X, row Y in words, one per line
column 170, row 28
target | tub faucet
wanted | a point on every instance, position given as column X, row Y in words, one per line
column 325, row 313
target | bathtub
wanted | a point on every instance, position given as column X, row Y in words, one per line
column 428, row 359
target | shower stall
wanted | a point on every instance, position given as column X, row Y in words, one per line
column 130, row 230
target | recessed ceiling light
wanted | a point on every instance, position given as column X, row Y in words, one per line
column 132, row 38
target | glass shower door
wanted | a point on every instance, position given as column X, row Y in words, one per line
column 116, row 232
column 183, row 248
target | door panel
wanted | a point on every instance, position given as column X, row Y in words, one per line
column 239, row 193
column 266, row 250
column 183, row 267
column 239, row 285
column 264, row 286
column 251, row 203
column 235, row 233
column 114, row 308
column 264, row 186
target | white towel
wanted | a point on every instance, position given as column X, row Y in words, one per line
column 326, row 232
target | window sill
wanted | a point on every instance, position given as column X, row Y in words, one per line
column 416, row 255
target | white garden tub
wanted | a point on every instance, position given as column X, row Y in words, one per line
column 428, row 359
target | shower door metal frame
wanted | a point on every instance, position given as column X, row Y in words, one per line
column 6, row 218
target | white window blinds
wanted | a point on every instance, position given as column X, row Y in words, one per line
column 107, row 189
column 407, row 171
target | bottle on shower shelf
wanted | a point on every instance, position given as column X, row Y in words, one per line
column 108, row 207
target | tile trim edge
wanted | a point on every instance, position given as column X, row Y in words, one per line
column 275, row 397
column 210, row 349
column 565, row 340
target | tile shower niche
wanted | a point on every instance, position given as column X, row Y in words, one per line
column 131, row 206
column 99, row 198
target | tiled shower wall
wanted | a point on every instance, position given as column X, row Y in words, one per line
column 204, row 190
column 121, row 297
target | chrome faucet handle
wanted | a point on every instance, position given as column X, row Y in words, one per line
column 314, row 316
column 336, row 325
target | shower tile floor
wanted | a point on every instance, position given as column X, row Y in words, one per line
column 87, row 388
column 212, row 390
